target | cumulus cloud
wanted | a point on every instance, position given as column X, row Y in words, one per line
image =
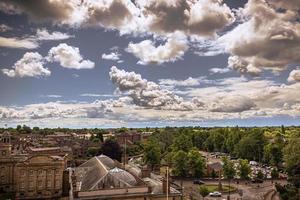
column 30, row 65
column 200, row 17
column 173, row 49
column 203, row 18
column 146, row 93
column 111, row 56
column 69, row 57
column 254, row 47
column 55, row 11
column 294, row 76
column 43, row 34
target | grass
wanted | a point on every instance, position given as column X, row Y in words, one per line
column 225, row 188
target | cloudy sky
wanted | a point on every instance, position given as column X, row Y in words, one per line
column 137, row 63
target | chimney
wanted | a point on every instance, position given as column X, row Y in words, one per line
column 145, row 172
column 166, row 187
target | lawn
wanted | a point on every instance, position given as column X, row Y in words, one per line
column 225, row 188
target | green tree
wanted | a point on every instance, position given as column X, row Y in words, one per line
column 274, row 173
column 251, row 145
column 259, row 175
column 180, row 165
column 196, row 164
column 182, row 142
column 112, row 149
column 292, row 155
column 273, row 154
column 228, row 170
column 152, row 154
column 244, row 169
column 93, row 151
column 203, row 190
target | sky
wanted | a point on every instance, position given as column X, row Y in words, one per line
column 138, row 63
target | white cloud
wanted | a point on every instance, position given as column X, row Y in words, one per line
column 173, row 49
column 216, row 70
column 5, row 28
column 111, row 56
column 199, row 17
column 97, row 95
column 43, row 34
column 146, row 93
column 185, row 83
column 19, row 43
column 69, row 57
column 51, row 96
column 30, row 65
column 294, row 76
column 254, row 47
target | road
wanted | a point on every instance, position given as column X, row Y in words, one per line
column 251, row 191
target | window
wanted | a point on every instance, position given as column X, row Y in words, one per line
column 40, row 184
column 57, row 184
column 23, row 172
column 3, row 153
column 31, row 172
column 31, row 185
column 40, row 172
column 22, row 186
column 49, row 184
column 50, row 172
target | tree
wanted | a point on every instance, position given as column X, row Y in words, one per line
column 274, row 173
column 244, row 169
column 152, row 154
column 180, row 165
column 228, row 170
column 213, row 174
column 292, row 155
column 251, row 146
column 203, row 190
column 259, row 175
column 196, row 164
column 112, row 149
column 182, row 142
column 93, row 151
column 273, row 154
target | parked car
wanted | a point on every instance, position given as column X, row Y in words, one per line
column 215, row 194
column 198, row 182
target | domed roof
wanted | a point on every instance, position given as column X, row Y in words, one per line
column 107, row 161
column 123, row 176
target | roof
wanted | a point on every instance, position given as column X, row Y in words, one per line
column 217, row 166
column 100, row 172
column 44, row 148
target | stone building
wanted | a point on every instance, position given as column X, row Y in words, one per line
column 29, row 176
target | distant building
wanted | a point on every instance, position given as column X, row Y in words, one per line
column 30, row 175
column 217, row 167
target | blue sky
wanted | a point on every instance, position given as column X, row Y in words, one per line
column 177, row 63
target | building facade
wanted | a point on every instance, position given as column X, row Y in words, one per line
column 30, row 176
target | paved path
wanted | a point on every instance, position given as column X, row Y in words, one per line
column 250, row 191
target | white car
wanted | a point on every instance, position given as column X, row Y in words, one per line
column 215, row 194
